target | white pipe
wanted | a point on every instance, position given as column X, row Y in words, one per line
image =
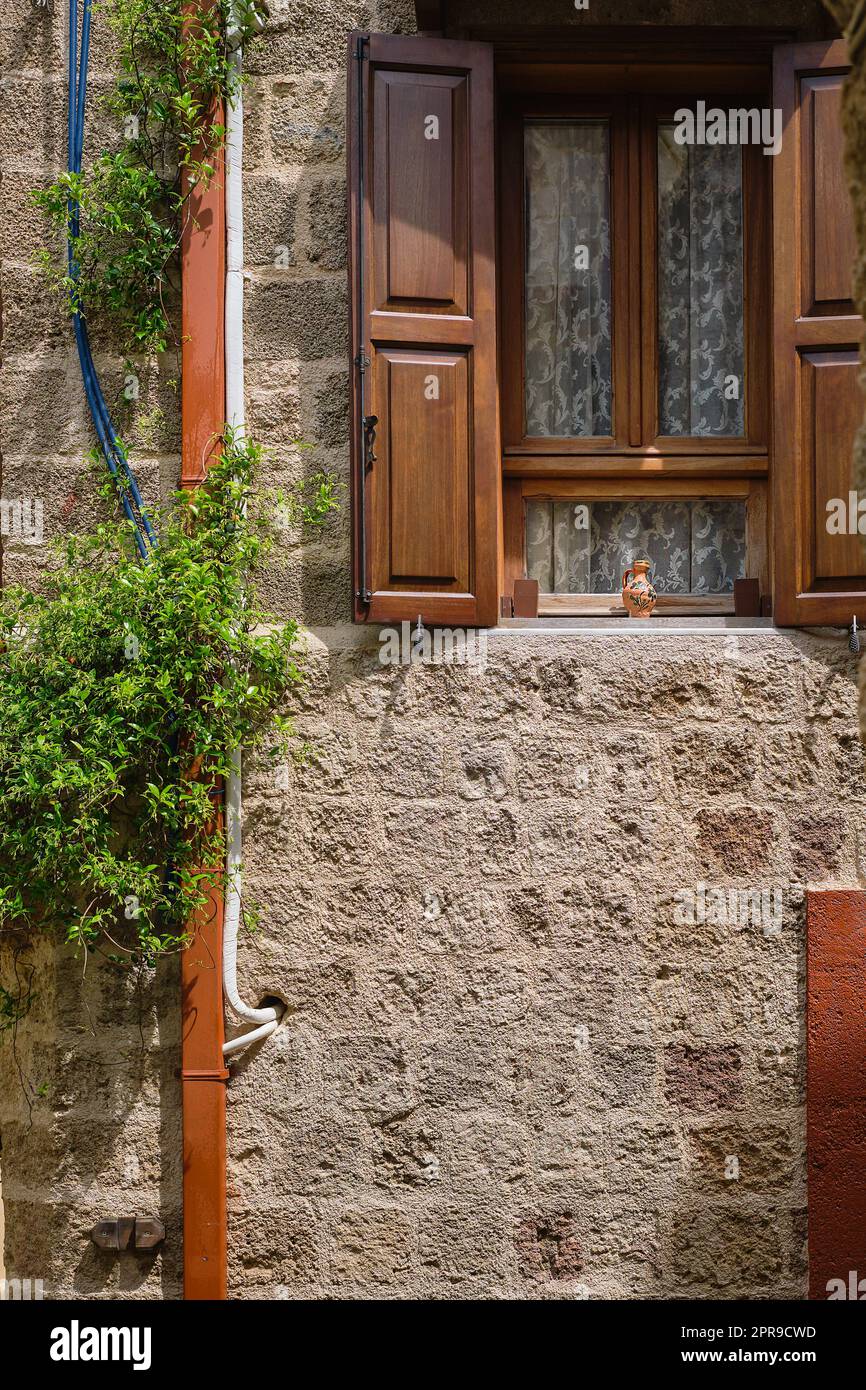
column 264, row 1031
column 267, row 1018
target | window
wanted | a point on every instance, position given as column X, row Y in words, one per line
column 561, row 314
column 632, row 274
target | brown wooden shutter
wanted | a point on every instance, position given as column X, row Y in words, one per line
column 820, row 577
column 422, row 233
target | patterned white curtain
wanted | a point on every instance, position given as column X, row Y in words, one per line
column 694, row 547
column 700, row 250
column 568, row 297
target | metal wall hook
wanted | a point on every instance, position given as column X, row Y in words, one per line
column 854, row 637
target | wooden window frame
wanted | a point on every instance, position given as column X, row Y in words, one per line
column 513, row 296
column 633, row 126
column 517, row 491
column 757, row 304
column 636, row 462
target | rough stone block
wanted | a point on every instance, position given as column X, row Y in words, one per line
column 410, row 765
column 306, row 319
column 763, row 1154
column 270, row 210
column 719, row 1250
column 460, row 1244
column 739, row 841
column 569, row 1149
column 495, row 991
column 467, row 1069
column 547, row 1247
column 28, row 300
column 703, row 1078
column 372, row 1075
column 31, row 38
column 557, row 835
column 257, row 100
column 483, row 772
column 331, row 411
column 488, row 1149
column 712, row 763
column 407, row 1154
column 311, row 37
column 307, row 120
column 816, row 845
column 328, row 224
column 792, row 761
column 326, row 1155
column 644, row 1156
column 373, row 1246
column 278, row 1252
column 33, row 117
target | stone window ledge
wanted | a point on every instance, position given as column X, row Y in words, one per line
column 636, row 627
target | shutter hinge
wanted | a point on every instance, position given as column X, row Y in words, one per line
column 361, row 361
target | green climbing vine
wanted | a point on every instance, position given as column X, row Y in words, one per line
column 124, row 688
column 135, row 200
column 126, row 684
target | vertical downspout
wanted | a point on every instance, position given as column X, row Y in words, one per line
column 203, row 1073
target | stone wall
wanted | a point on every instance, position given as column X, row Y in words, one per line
column 511, row 1066
column 506, row 1070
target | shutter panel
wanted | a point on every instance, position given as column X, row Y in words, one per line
column 426, row 489
column 820, row 574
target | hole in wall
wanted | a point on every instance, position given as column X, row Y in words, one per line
column 272, row 1000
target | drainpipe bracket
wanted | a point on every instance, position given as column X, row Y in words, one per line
column 142, row 1233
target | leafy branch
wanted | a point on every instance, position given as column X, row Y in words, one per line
column 125, row 687
column 127, row 213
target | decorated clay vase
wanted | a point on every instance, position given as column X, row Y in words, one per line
column 639, row 596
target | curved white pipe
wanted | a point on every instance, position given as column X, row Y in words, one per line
column 232, row 916
column 266, row 1018
column 245, row 1039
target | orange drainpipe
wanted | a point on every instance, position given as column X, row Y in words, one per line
column 203, row 1072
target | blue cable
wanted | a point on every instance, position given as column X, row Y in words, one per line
column 111, row 447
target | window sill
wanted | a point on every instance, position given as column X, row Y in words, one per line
column 640, row 627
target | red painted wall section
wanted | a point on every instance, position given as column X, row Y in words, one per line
column 203, row 382
column 836, row 1090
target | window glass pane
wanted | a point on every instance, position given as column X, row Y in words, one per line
column 583, row 548
column 568, row 295
column 659, row 532
column 700, row 285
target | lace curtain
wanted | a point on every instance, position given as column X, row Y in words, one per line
column 693, row 547
column 700, row 285
column 568, row 298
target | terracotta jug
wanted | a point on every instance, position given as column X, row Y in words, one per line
column 639, row 596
